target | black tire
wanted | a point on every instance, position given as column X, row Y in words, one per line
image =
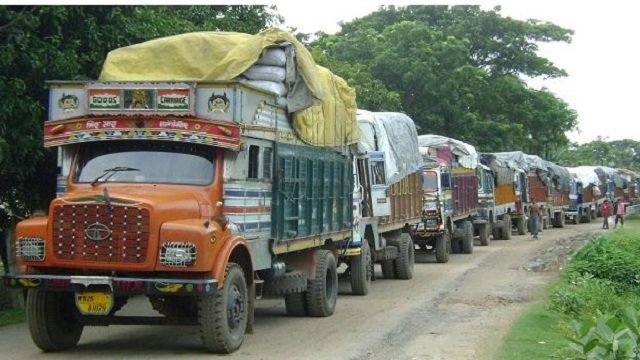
column 361, row 270
column 522, row 226
column 456, row 248
column 406, row 258
column 54, row 321
column 388, row 269
column 296, row 304
column 484, row 234
column 594, row 214
column 443, row 243
column 467, row 240
column 497, row 230
column 222, row 317
column 559, row 219
column 576, row 219
column 291, row 282
column 506, row 227
column 322, row 292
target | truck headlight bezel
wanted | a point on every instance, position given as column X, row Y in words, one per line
column 178, row 254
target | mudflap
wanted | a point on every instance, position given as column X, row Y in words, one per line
column 252, row 305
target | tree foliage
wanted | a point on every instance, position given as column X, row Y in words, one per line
column 623, row 154
column 39, row 43
column 458, row 71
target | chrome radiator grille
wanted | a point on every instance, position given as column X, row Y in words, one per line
column 97, row 233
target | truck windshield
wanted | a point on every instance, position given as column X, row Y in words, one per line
column 429, row 181
column 145, row 162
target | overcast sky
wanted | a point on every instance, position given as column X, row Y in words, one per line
column 601, row 61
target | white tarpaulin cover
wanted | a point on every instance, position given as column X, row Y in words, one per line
column 396, row 135
column 466, row 153
column 585, row 174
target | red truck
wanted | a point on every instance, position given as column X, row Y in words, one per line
column 450, row 196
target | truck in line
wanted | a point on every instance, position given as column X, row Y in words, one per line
column 450, row 197
column 585, row 198
column 550, row 184
column 511, row 195
column 202, row 195
column 387, row 199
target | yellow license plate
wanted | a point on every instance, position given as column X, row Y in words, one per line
column 94, row 303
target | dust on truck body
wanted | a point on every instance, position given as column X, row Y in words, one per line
column 450, row 196
column 586, row 197
column 197, row 194
column 511, row 195
column 387, row 199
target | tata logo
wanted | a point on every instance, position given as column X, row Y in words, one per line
column 97, row 231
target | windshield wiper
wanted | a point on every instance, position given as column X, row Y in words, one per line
column 113, row 171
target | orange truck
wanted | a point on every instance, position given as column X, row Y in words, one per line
column 511, row 195
column 550, row 186
column 202, row 195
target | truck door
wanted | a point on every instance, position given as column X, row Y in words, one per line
column 380, row 202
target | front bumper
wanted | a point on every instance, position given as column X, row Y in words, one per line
column 117, row 285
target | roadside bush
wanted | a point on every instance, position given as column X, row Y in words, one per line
column 584, row 294
column 615, row 258
column 606, row 336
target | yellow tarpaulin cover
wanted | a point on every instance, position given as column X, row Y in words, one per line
column 203, row 56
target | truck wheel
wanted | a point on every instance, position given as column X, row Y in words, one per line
column 406, row 258
column 322, row 291
column 296, row 304
column 388, row 269
column 484, row 234
column 576, row 219
column 456, row 248
column 291, row 282
column 506, row 227
column 222, row 317
column 54, row 322
column 361, row 270
column 559, row 219
column 443, row 243
column 522, row 226
column 593, row 214
column 497, row 230
column 467, row 240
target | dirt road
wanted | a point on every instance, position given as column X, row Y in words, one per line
column 457, row 310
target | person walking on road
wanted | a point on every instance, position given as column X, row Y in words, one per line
column 619, row 214
column 606, row 212
column 534, row 217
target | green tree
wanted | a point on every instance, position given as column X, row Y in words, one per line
column 40, row 43
column 459, row 72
